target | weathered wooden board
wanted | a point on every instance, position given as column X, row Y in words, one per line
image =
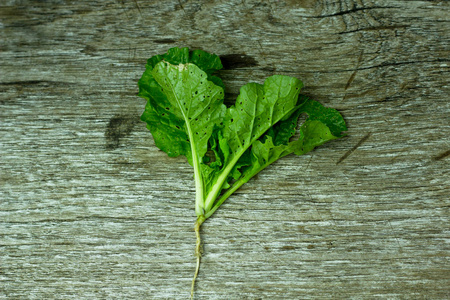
column 90, row 209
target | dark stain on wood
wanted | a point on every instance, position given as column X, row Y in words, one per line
column 118, row 128
column 442, row 155
column 347, row 154
column 237, row 61
column 288, row 248
column 89, row 50
column 35, row 82
column 230, row 98
column 164, row 41
column 302, row 229
column 352, row 77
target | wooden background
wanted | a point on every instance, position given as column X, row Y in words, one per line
column 91, row 209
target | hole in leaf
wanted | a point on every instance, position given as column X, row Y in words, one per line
column 211, row 157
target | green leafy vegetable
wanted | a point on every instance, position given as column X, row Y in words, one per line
column 186, row 116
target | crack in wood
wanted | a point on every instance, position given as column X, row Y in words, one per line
column 164, row 41
column 36, row 82
column 137, row 6
column 442, row 155
column 352, row 77
column 347, row 154
column 355, row 9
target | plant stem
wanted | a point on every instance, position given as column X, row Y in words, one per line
column 237, row 185
column 198, row 250
column 225, row 196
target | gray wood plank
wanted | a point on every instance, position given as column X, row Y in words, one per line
column 91, row 209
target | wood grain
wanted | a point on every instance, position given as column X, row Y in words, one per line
column 90, row 209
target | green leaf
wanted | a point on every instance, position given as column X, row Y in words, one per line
column 169, row 132
column 186, row 116
column 207, row 62
column 313, row 132
column 193, row 105
column 258, row 107
column 328, row 116
column 277, row 143
column 182, row 122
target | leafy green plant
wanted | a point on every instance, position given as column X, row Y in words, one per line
column 186, row 116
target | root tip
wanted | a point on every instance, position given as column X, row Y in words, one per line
column 198, row 251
